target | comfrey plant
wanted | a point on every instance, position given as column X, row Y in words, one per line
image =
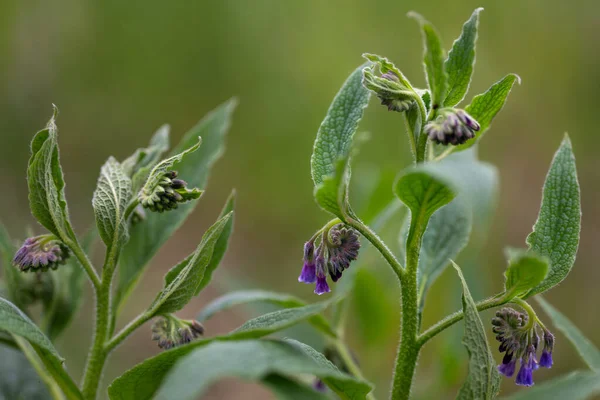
column 140, row 201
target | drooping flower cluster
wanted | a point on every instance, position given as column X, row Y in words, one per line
column 388, row 88
column 338, row 247
column 170, row 331
column 41, row 253
column 519, row 341
column 452, row 126
column 167, row 194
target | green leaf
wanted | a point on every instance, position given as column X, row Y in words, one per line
column 146, row 238
column 483, row 381
column 333, row 144
column 578, row 385
column 460, row 62
column 181, row 286
column 434, row 60
column 138, row 165
column 524, row 272
column 252, row 360
column 586, row 349
column 12, row 277
column 485, row 106
column 245, row 297
column 14, row 321
column 288, row 389
column 68, row 281
column 46, row 183
column 556, row 232
column 110, row 201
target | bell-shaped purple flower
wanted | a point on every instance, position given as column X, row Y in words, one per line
column 546, row 358
column 308, row 273
column 507, row 368
column 322, row 286
column 525, row 375
column 41, row 253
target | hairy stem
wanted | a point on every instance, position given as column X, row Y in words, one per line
column 126, row 331
column 457, row 316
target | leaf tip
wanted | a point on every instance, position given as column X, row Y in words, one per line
column 566, row 140
column 517, row 78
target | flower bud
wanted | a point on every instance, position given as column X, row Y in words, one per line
column 167, row 194
column 452, row 126
column 41, row 253
column 388, row 88
column 170, row 331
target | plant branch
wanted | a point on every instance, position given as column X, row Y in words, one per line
column 126, row 331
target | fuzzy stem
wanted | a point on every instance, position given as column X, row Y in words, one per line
column 126, row 331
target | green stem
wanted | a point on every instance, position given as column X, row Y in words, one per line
column 126, row 331
column 33, row 359
column 350, row 364
column 457, row 316
column 379, row 245
column 533, row 318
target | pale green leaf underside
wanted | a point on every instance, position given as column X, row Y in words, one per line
column 251, row 360
column 556, row 232
column 586, row 349
column 483, row 381
column 334, row 137
column 525, row 271
column 46, row 184
column 288, row 389
column 180, row 289
column 246, row 297
column 485, row 106
column 437, row 78
column 110, row 200
column 460, row 62
column 146, row 238
column 578, row 385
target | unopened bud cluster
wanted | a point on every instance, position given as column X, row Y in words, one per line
column 389, row 90
column 171, row 331
column 519, row 340
column 452, row 126
column 338, row 247
column 167, row 194
column 41, row 253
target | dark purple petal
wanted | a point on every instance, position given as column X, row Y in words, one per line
column 308, row 274
column 508, row 369
column 525, row 375
column 546, row 359
column 322, row 286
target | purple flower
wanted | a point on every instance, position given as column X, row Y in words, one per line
column 452, row 126
column 41, row 253
column 308, row 274
column 322, row 286
column 525, row 375
column 507, row 368
column 170, row 331
column 320, row 386
column 546, row 359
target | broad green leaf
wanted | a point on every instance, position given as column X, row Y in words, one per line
column 578, row 385
column 424, row 191
column 147, row 237
column 485, row 106
column 14, row 321
column 483, row 381
column 437, row 78
column 460, row 62
column 288, row 389
column 556, row 232
column 46, row 183
column 586, row 349
column 245, row 297
column 252, row 360
column 181, row 287
column 334, row 138
column 138, row 165
column 67, row 296
column 110, row 201
column 18, row 379
column 281, row 319
column 524, row 272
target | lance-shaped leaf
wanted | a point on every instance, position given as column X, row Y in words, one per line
column 460, row 62
column 253, row 360
column 183, row 283
column 483, row 381
column 288, row 389
column 333, row 145
column 485, row 106
column 147, row 237
column 138, row 165
column 437, row 78
column 578, row 385
column 524, row 272
column 14, row 321
column 556, row 232
column 245, row 297
column 586, row 349
column 142, row 381
column 110, row 200
column 46, row 183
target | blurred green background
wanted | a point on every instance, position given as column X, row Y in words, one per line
column 118, row 70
